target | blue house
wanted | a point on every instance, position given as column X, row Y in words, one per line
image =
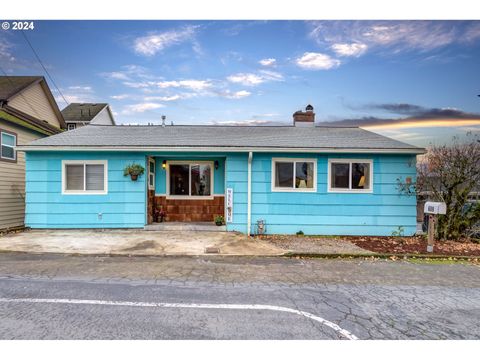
column 319, row 180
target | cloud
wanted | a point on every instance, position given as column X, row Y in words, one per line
column 411, row 116
column 127, row 73
column 317, row 61
column 141, row 107
column 76, row 94
column 420, row 112
column 163, row 98
column 251, row 79
column 153, row 43
column 196, row 85
column 119, row 97
column 81, row 88
column 271, row 75
column 354, row 49
column 237, row 94
column 356, row 37
column 268, row 62
column 247, row 79
column 6, row 48
column 249, row 122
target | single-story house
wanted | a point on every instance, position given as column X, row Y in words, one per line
column 28, row 111
column 80, row 114
column 318, row 180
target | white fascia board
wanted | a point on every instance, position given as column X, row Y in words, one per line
column 221, row 149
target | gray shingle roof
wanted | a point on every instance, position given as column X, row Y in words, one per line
column 82, row 112
column 234, row 137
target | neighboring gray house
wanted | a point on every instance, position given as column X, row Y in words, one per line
column 81, row 114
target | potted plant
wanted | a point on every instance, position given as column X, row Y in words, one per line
column 219, row 220
column 159, row 215
column 134, row 170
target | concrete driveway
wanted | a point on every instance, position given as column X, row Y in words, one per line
column 135, row 242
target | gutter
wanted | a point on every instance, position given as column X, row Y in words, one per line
column 249, row 194
column 87, row 148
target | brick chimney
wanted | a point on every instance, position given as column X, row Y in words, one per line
column 304, row 118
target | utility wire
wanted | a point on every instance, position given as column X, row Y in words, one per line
column 44, row 68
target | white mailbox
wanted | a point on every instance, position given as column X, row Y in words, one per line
column 435, row 208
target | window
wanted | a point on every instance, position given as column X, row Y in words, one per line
column 294, row 175
column 84, row 177
column 71, row 126
column 352, row 176
column 151, row 174
column 8, row 141
column 187, row 179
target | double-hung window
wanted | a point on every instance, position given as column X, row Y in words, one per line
column 350, row 175
column 8, row 141
column 290, row 174
column 190, row 179
column 84, row 177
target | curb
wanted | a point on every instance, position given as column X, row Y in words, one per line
column 390, row 256
column 284, row 255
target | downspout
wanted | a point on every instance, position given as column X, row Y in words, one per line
column 249, row 193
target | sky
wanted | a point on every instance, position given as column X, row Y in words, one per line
column 415, row 81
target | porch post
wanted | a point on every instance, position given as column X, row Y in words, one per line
column 249, row 193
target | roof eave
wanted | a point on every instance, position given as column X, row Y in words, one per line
column 417, row 151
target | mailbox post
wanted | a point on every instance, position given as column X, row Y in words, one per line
column 433, row 209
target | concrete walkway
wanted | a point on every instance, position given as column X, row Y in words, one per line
column 136, row 242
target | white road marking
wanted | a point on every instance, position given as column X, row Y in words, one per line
column 345, row 333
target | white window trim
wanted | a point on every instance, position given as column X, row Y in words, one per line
column 13, row 147
column 293, row 189
column 84, row 162
column 71, row 124
column 151, row 161
column 350, row 190
column 190, row 163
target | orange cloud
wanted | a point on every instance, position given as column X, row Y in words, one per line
column 424, row 124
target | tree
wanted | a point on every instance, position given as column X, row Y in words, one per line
column 450, row 173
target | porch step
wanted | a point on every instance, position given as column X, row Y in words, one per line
column 184, row 226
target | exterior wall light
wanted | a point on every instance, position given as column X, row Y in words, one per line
column 164, row 164
column 216, row 164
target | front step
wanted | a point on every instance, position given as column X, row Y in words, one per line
column 184, row 226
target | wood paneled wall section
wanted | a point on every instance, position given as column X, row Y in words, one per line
column 191, row 210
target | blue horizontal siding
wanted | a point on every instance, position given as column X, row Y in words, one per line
column 46, row 207
column 321, row 212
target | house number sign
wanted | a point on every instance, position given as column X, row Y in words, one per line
column 229, row 205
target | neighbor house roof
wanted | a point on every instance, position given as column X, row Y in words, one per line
column 12, row 85
column 222, row 138
column 82, row 112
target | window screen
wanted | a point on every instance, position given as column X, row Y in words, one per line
column 284, row 174
column 94, row 177
column 74, row 177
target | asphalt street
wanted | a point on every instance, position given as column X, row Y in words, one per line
column 67, row 297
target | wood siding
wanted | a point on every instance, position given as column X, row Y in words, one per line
column 12, row 180
column 191, row 210
column 33, row 101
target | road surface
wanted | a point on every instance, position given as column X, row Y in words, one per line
column 65, row 297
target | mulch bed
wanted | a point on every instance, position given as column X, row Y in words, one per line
column 414, row 245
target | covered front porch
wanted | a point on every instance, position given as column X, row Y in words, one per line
column 185, row 192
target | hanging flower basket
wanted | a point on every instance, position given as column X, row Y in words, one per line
column 134, row 170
